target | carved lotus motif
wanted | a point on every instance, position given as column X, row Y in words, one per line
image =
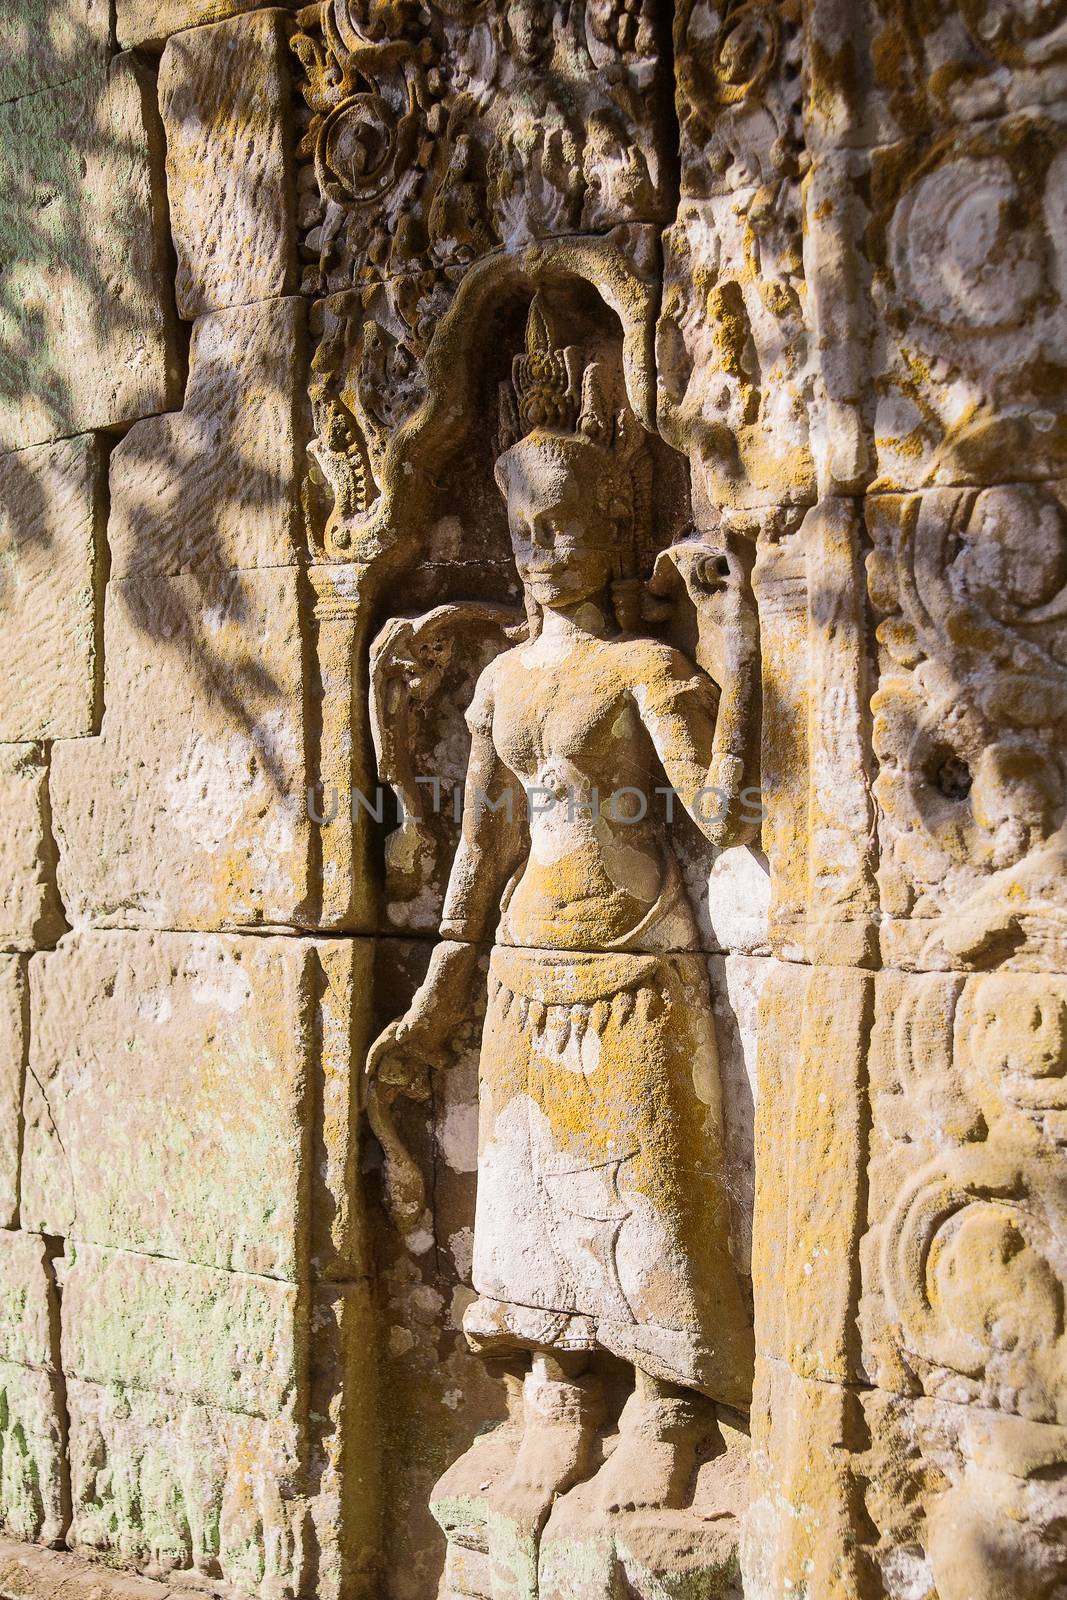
column 958, row 251
column 364, row 149
column 745, row 50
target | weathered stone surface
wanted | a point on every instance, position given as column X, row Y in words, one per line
column 966, row 245
column 190, row 809
column 44, row 43
column 13, row 1044
column 814, row 1025
column 818, row 831
column 435, row 1395
column 969, row 721
column 33, row 1454
column 737, row 94
column 29, row 1573
column 168, row 1106
column 712, row 363
column 734, row 358
column 805, row 1523
column 222, row 1339
column 737, row 982
column 218, row 483
column 345, row 1438
column 874, row 72
column 51, row 550
column 165, row 1486
column 965, row 1501
column 30, row 912
column 689, row 1551
column 29, row 1313
column 224, row 96
column 963, row 1271
column 147, row 22
column 343, row 972
column 33, row 1490
column 87, row 336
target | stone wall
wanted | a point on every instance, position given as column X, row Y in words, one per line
column 264, row 273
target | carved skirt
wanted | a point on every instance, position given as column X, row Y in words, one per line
column 602, row 1220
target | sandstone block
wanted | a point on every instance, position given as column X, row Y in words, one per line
column 737, row 983
column 33, row 1504
column 339, row 1245
column 190, row 810
column 87, row 338
column 224, row 96
column 13, row 1043
column 51, row 541
column 30, row 912
column 221, row 1339
column 148, row 22
column 29, row 1325
column 813, row 1028
column 167, row 1106
column 217, row 484
column 43, row 43
column 344, row 1442
column 167, row 1486
column 805, row 1523
column 817, row 829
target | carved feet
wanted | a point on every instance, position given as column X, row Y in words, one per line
column 557, row 1498
column 562, row 1412
column 660, row 1431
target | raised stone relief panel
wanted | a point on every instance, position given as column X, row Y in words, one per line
column 968, row 724
column 532, row 999
column 560, row 1241
column 964, row 1279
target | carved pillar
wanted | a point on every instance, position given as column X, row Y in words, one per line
column 347, row 788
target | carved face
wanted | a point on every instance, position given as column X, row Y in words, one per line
column 566, row 542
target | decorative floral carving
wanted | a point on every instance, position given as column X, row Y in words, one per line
column 738, row 92
column 408, row 118
column 969, row 251
column 969, row 720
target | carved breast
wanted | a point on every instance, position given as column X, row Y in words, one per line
column 570, row 719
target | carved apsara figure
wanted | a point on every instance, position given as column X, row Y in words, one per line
column 602, row 1220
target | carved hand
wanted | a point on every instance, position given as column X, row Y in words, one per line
column 690, row 568
column 401, row 1060
column 402, row 1056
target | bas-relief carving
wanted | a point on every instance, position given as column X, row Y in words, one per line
column 875, row 69
column 434, row 136
column 964, row 1281
column 862, row 276
column 969, row 724
column 764, row 356
column 602, row 1231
